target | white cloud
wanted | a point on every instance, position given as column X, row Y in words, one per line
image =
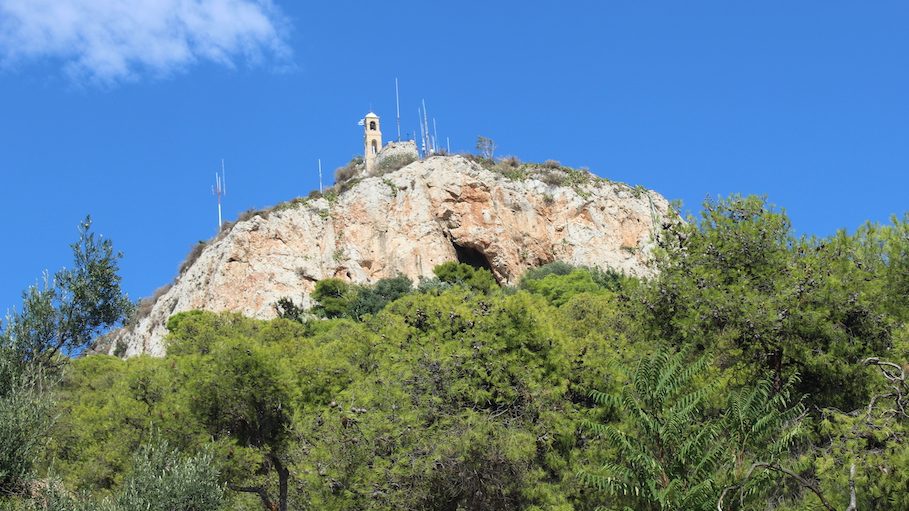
column 110, row 41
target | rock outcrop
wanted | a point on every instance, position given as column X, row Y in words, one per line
column 398, row 151
column 407, row 222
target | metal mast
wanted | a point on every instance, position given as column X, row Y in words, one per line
column 435, row 133
column 422, row 135
column 398, row 108
column 220, row 189
column 426, row 129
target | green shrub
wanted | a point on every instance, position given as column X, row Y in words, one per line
column 372, row 299
column 559, row 288
column 553, row 268
column 25, row 419
column 391, row 186
column 333, row 298
column 164, row 480
column 456, row 273
column 331, row 195
column 393, row 163
column 287, row 309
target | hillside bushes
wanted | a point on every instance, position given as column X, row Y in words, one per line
column 349, row 171
column 393, row 163
column 738, row 376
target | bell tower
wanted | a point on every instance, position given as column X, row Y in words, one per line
column 372, row 140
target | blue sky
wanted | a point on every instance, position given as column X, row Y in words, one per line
column 125, row 112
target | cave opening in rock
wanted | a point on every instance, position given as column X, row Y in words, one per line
column 473, row 257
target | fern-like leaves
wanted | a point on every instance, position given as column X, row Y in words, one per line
column 671, row 452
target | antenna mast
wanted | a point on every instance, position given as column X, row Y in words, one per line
column 398, row 108
column 219, row 189
column 422, row 135
column 432, row 149
column 320, row 175
column 435, row 133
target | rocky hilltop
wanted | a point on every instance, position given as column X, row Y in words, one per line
column 444, row 208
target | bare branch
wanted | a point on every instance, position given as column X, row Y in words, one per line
column 852, row 503
column 896, row 375
column 883, row 364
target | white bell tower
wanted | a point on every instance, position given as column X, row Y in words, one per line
column 372, row 140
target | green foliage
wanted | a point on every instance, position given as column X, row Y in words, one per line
column 460, row 274
column 881, row 253
column 393, row 163
column 25, row 418
column 197, row 331
column 242, row 394
column 731, row 377
column 771, row 305
column 553, row 268
column 163, row 480
column 372, row 299
column 374, row 415
column 455, row 373
column 333, row 298
column 62, row 317
column 242, row 397
column 873, row 439
column 668, row 456
column 336, row 298
column 286, row 308
column 391, row 186
column 107, row 407
column 671, row 450
column 331, row 195
column 558, row 289
column 66, row 313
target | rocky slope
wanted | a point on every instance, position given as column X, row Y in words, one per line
column 407, row 222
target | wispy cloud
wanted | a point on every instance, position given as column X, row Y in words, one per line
column 110, row 41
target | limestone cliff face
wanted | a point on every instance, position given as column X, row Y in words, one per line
column 407, row 222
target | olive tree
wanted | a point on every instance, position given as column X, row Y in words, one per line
column 66, row 313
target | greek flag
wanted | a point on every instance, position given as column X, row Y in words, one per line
column 361, row 122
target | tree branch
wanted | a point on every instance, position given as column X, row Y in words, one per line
column 258, row 490
column 776, row 468
column 898, row 384
column 852, row 503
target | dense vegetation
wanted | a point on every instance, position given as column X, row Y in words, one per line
column 756, row 370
